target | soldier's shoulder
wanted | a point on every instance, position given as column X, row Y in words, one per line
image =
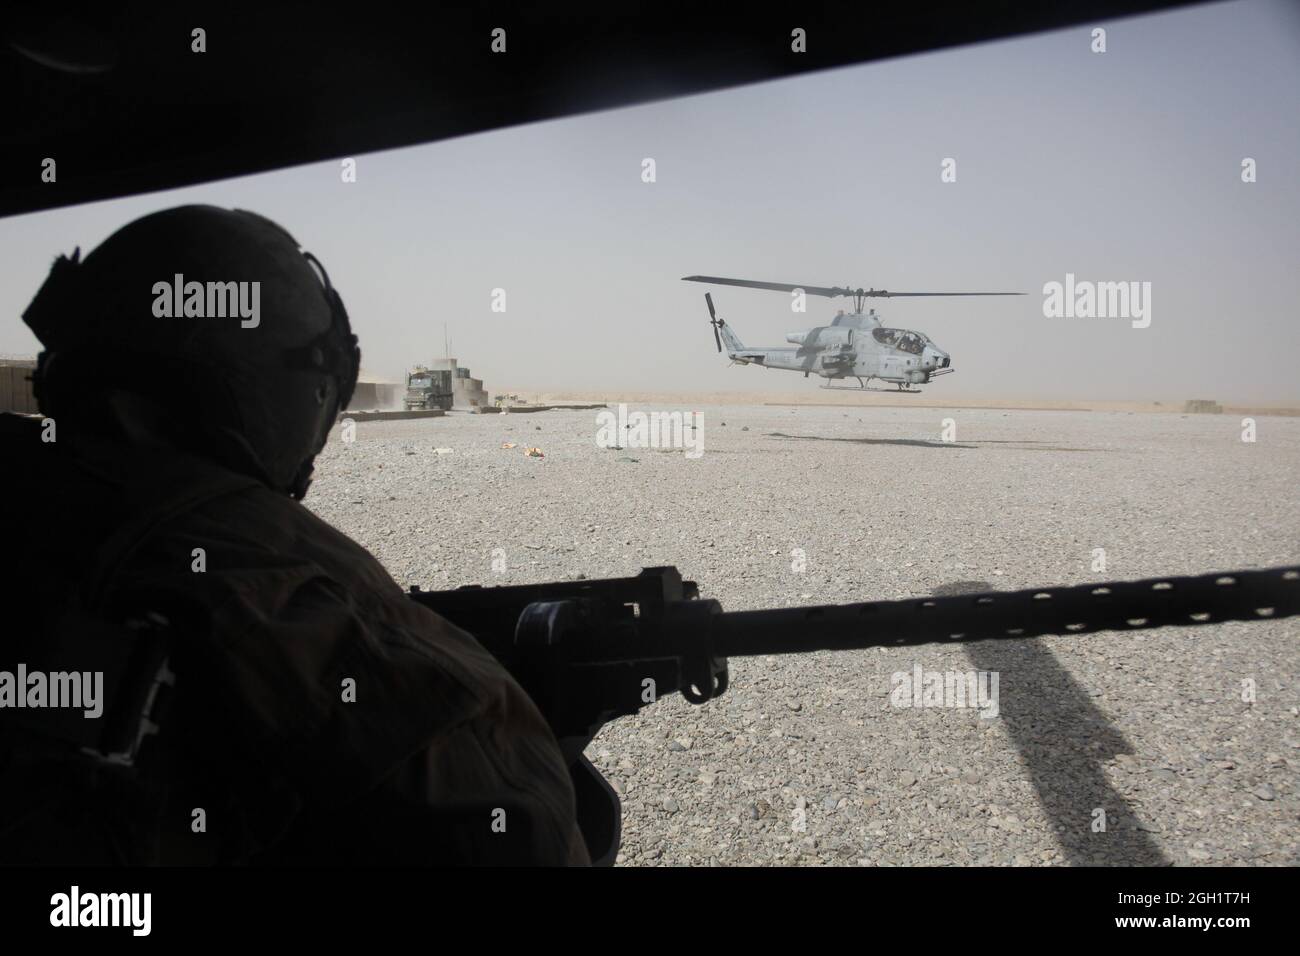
column 272, row 524
column 156, row 511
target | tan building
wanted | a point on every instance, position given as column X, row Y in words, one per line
column 16, row 385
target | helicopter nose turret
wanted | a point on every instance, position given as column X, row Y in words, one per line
column 933, row 357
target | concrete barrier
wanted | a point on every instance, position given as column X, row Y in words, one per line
column 521, row 409
column 377, row 416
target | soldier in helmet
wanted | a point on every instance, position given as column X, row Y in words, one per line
column 193, row 366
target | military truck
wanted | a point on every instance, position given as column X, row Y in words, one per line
column 428, row 388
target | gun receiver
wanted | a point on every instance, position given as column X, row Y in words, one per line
column 588, row 652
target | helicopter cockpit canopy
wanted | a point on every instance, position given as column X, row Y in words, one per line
column 903, row 339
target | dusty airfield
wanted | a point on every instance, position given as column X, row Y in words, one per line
column 1148, row 726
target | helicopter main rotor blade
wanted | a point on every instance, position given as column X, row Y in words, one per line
column 713, row 320
column 828, row 291
column 771, row 286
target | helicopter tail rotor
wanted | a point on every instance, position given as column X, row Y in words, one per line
column 714, row 320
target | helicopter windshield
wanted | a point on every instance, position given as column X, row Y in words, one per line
column 912, row 342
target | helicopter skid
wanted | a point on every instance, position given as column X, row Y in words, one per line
column 871, row 388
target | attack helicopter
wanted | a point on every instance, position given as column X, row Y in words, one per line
column 854, row 345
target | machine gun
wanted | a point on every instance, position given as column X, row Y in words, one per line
column 588, row 652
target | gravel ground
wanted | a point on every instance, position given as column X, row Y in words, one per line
column 804, row 760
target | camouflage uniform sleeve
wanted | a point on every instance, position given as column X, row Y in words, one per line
column 397, row 736
column 485, row 782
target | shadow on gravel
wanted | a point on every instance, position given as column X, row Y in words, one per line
column 1063, row 740
column 875, row 441
column 1025, row 445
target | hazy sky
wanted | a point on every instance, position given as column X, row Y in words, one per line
column 1122, row 166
